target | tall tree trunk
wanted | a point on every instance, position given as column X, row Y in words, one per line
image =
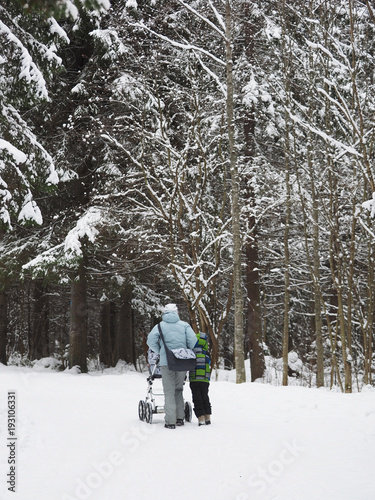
column 286, row 65
column 3, row 315
column 317, row 299
column 3, row 325
column 315, row 271
column 107, row 332
column 345, row 346
column 336, row 266
column 125, row 348
column 235, row 190
column 78, row 319
column 368, row 328
column 39, row 334
column 254, row 323
column 286, row 278
column 350, row 270
column 366, row 148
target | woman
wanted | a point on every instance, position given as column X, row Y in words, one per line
column 177, row 334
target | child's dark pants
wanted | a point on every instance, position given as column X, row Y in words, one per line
column 201, row 400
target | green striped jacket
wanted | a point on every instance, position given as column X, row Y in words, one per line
column 202, row 370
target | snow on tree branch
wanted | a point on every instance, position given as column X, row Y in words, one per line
column 207, row 21
column 67, row 252
column 370, row 205
column 184, row 46
column 111, row 41
column 86, row 226
column 19, row 156
column 21, row 128
column 324, row 135
column 213, row 75
column 70, row 8
column 30, row 211
column 29, row 70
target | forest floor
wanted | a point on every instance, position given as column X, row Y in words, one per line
column 79, row 437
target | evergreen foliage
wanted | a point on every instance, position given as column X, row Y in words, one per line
column 114, row 167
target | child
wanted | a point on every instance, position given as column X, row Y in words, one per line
column 200, row 381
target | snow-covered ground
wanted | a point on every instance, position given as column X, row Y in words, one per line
column 79, row 437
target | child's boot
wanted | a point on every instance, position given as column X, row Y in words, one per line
column 201, row 420
column 207, row 419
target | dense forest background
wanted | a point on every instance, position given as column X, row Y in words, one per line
column 136, row 136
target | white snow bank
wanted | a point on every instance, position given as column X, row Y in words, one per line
column 47, row 363
column 79, row 437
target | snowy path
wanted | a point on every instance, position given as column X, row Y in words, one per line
column 79, row 437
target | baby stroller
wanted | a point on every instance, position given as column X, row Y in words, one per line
column 148, row 407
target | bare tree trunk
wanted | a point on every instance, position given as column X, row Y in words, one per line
column 39, row 334
column 344, row 345
column 316, row 281
column 368, row 328
column 254, row 323
column 3, row 325
column 370, row 336
column 286, row 277
column 366, row 168
column 350, row 292
column 107, row 332
column 3, row 315
column 237, row 246
column 125, row 348
column 335, row 251
column 78, row 319
column 286, row 65
column 316, row 232
column 314, row 267
column 336, row 266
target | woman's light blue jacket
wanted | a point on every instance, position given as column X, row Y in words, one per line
column 176, row 334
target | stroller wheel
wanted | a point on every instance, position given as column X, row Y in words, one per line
column 188, row 412
column 148, row 413
column 142, row 410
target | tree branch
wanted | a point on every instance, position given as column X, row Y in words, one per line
column 184, row 46
column 203, row 18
